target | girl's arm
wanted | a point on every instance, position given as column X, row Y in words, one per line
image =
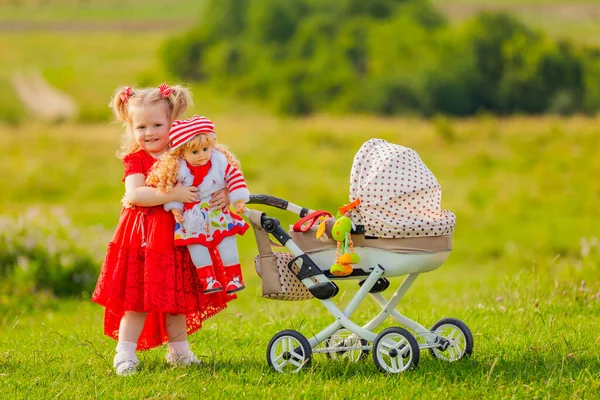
column 136, row 192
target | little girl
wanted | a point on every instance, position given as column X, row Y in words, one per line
column 147, row 286
column 195, row 159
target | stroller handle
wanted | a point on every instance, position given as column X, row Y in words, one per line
column 268, row 200
column 278, row 203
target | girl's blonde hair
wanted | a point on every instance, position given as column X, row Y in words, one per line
column 125, row 98
column 163, row 174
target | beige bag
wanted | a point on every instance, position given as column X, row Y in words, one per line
column 278, row 282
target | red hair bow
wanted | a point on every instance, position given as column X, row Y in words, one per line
column 165, row 90
column 126, row 93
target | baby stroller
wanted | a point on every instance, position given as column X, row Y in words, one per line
column 397, row 229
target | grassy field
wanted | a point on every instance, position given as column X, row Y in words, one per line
column 56, row 11
column 524, row 273
column 96, row 46
column 577, row 20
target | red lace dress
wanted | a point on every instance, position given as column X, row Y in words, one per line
column 144, row 272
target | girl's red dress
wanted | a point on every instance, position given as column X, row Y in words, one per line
column 144, row 272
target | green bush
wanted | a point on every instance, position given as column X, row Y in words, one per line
column 383, row 57
column 591, row 101
column 44, row 251
column 536, row 72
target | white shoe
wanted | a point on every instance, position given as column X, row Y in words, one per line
column 125, row 363
column 182, row 360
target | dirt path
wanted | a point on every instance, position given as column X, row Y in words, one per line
column 42, row 99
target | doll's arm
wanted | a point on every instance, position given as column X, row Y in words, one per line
column 236, row 184
column 178, row 214
column 240, row 206
column 136, row 192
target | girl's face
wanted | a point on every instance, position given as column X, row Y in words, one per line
column 151, row 127
column 197, row 156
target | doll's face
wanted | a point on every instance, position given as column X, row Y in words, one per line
column 197, row 156
column 151, row 126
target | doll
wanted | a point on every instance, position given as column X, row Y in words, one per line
column 196, row 159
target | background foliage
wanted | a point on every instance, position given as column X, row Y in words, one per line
column 382, row 57
column 525, row 266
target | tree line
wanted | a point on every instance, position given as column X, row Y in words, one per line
column 383, row 57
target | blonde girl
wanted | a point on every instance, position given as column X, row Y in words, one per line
column 147, row 286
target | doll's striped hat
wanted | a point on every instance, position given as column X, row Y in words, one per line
column 183, row 130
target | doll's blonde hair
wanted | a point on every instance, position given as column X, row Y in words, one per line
column 163, row 174
column 177, row 103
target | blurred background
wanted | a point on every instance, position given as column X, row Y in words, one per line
column 500, row 99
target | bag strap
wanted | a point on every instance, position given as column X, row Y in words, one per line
column 262, row 238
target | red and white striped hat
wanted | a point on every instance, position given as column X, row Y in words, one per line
column 183, row 130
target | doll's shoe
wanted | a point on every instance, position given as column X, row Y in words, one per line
column 211, row 285
column 125, row 363
column 235, row 285
column 182, row 360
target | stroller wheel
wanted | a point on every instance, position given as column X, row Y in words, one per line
column 343, row 344
column 455, row 339
column 288, row 351
column 395, row 350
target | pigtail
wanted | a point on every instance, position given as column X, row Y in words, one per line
column 180, row 99
column 228, row 155
column 120, row 108
column 163, row 174
column 119, row 105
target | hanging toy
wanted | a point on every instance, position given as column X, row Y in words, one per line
column 340, row 232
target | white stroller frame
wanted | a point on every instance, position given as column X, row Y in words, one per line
column 395, row 349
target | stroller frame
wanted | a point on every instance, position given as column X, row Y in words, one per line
column 395, row 349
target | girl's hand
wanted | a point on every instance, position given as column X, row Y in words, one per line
column 185, row 194
column 240, row 207
column 220, row 200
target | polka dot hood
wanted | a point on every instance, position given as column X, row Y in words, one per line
column 399, row 195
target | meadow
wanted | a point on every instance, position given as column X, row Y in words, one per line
column 524, row 273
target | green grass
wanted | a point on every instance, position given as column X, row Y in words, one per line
column 535, row 173
column 535, row 337
column 57, row 11
column 523, row 274
column 573, row 20
column 88, row 66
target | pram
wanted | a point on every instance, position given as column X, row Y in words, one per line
column 397, row 229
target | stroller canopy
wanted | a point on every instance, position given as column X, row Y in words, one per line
column 399, row 196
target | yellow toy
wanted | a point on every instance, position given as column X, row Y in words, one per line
column 340, row 232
